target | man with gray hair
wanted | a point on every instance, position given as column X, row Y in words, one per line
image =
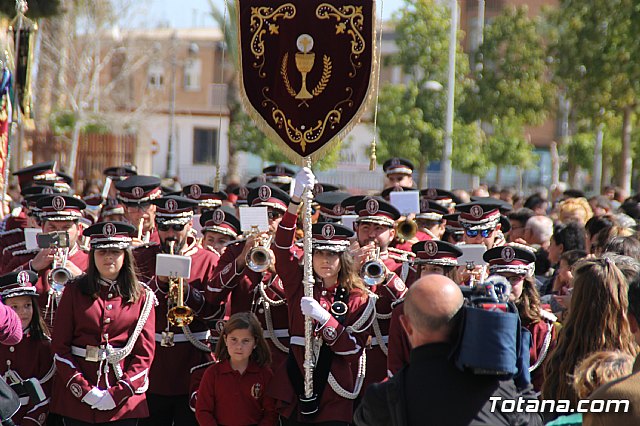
column 430, row 389
column 538, row 231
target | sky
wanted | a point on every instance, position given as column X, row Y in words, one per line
column 195, row 13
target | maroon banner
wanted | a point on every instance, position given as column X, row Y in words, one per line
column 306, row 68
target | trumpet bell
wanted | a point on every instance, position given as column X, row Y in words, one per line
column 407, row 230
column 60, row 276
column 373, row 273
column 180, row 316
column 258, row 259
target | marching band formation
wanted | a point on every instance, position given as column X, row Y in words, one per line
column 109, row 339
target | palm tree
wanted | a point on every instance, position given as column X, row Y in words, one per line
column 227, row 22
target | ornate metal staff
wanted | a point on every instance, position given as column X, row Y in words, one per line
column 308, row 282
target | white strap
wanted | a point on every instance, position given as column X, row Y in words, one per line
column 385, row 340
column 180, row 337
column 279, row 333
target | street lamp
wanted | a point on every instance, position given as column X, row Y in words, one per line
column 171, row 166
column 448, row 143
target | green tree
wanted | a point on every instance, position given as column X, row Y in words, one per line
column 595, row 49
column 411, row 116
column 511, row 89
column 507, row 146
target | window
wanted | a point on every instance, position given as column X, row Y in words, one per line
column 192, row 71
column 205, row 151
column 155, row 75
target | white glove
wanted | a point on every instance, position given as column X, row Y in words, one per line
column 312, row 308
column 105, row 403
column 304, row 179
column 93, row 396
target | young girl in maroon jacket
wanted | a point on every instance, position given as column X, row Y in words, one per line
column 231, row 392
column 31, row 358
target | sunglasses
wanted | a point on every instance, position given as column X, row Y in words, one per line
column 142, row 207
column 274, row 214
column 474, row 233
column 175, row 227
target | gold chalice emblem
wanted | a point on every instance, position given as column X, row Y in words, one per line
column 304, row 63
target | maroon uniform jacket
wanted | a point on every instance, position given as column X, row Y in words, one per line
column 171, row 365
column 543, row 340
column 389, row 294
column 345, row 343
column 15, row 222
column 31, row 358
column 226, row 397
column 10, row 241
column 82, row 322
column 399, row 346
column 243, row 287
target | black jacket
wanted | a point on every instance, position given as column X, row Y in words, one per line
column 432, row 391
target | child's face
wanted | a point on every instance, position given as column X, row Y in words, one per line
column 564, row 273
column 240, row 343
column 216, row 240
column 23, row 305
column 326, row 264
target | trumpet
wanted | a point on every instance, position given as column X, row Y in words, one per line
column 259, row 258
column 406, row 229
column 373, row 271
column 59, row 275
column 179, row 315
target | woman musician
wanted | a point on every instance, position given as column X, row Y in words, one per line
column 342, row 311
column 103, row 336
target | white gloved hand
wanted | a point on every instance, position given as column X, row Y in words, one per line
column 304, row 179
column 93, row 396
column 312, row 308
column 105, row 403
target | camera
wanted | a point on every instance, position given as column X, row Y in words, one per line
column 29, row 388
column 492, row 294
column 56, row 239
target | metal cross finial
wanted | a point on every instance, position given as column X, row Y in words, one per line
column 21, row 6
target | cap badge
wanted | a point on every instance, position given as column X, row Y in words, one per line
column 395, row 162
column 279, row 170
column 328, row 231
column 318, row 189
column 372, row 206
column 171, row 205
column 195, row 191
column 476, row 211
column 23, row 278
column 47, row 190
column 121, row 171
column 264, row 193
column 137, row 192
column 109, row 229
column 432, row 193
column 508, row 254
column 218, row 217
column 243, row 192
column 424, row 205
column 431, row 248
column 112, row 202
column 58, row 203
column 338, row 210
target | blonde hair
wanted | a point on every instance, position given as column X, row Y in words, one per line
column 573, row 205
column 600, row 368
